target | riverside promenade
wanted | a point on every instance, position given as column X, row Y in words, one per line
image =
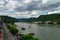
column 5, row 33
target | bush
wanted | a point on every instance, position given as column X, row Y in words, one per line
column 28, row 37
column 12, row 29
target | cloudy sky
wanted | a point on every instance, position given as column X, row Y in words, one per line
column 28, row 8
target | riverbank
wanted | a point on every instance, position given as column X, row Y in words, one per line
column 45, row 22
column 41, row 31
column 14, row 31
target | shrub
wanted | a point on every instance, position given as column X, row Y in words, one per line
column 28, row 37
column 12, row 29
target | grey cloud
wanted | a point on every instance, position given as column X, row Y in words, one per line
column 5, row 2
column 20, row 1
column 51, row 7
column 33, row 5
column 2, row 10
column 37, row 5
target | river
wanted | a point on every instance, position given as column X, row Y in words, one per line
column 42, row 31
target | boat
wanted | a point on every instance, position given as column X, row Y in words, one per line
column 22, row 28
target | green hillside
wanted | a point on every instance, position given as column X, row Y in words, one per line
column 8, row 19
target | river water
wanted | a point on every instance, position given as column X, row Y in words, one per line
column 42, row 31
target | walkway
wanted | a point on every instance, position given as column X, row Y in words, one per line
column 7, row 34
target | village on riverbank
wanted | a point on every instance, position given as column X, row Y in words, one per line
column 47, row 19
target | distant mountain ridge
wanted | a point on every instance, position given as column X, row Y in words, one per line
column 25, row 19
column 50, row 17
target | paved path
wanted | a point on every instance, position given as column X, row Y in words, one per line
column 1, row 32
column 7, row 34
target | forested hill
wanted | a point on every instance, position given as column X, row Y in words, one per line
column 8, row 19
column 51, row 17
column 25, row 19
